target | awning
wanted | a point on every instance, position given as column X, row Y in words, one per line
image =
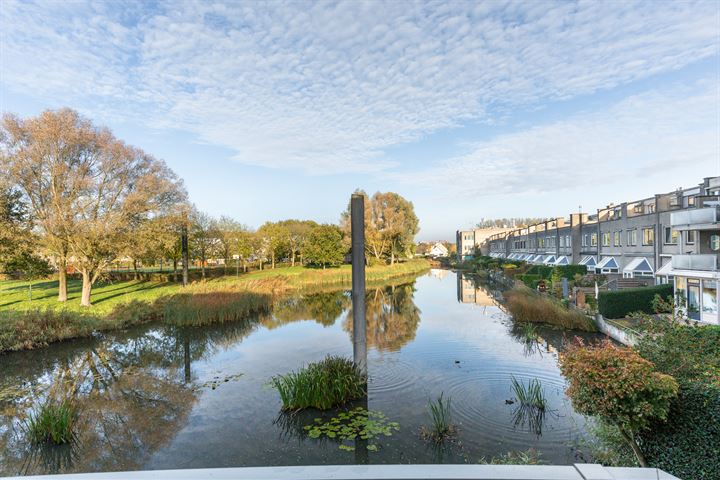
column 527, row 257
column 665, row 271
column 562, row 260
column 638, row 265
column 589, row 261
column 549, row 259
column 607, row 263
column 538, row 259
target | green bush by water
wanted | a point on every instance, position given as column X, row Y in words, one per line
column 52, row 423
column 329, row 383
column 619, row 303
column 527, row 306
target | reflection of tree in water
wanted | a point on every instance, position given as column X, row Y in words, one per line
column 392, row 317
column 324, row 308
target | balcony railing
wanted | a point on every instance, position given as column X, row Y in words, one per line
column 695, row 262
column 695, row 218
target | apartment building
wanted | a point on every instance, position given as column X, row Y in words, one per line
column 467, row 241
column 671, row 237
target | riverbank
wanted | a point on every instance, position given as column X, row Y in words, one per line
column 27, row 324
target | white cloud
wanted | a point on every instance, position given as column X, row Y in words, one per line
column 327, row 86
column 653, row 133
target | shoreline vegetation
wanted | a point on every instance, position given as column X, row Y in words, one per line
column 26, row 324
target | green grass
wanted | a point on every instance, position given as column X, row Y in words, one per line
column 26, row 324
column 441, row 425
column 531, row 395
column 52, row 423
column 330, row 383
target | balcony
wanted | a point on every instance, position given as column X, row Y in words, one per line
column 706, row 218
column 695, row 262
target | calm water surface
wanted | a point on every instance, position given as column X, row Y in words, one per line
column 159, row 397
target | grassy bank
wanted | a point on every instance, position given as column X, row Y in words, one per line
column 529, row 306
column 26, row 324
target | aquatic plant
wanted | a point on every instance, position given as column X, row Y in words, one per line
column 527, row 457
column 352, row 425
column 329, row 383
column 212, row 307
column 531, row 395
column 527, row 306
column 54, row 423
column 441, row 427
column 529, row 331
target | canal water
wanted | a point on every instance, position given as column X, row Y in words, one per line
column 161, row 397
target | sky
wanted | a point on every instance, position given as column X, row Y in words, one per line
column 275, row 110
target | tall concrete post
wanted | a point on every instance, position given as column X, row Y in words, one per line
column 185, row 254
column 357, row 222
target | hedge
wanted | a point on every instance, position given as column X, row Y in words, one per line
column 567, row 271
column 688, row 444
column 619, row 303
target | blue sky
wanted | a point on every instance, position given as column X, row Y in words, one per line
column 280, row 110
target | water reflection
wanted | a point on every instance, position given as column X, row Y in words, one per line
column 392, row 317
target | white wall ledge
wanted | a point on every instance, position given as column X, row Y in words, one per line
column 384, row 472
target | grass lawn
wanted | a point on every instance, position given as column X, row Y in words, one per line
column 29, row 324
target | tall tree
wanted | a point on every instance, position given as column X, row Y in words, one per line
column 228, row 232
column 325, row 246
column 298, row 232
column 49, row 158
column 274, row 236
column 204, row 241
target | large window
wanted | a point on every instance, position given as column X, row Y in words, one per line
column 616, row 239
column 648, row 236
column 671, row 236
column 593, row 240
column 606, row 239
column 690, row 237
column 709, row 296
column 632, row 237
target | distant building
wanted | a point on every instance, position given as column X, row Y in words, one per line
column 468, row 241
column 671, row 237
column 438, row 250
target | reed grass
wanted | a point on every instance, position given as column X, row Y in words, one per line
column 52, row 423
column 213, row 307
column 441, row 425
column 527, row 457
column 527, row 306
column 329, row 383
column 531, row 395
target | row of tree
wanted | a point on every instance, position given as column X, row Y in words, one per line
column 73, row 195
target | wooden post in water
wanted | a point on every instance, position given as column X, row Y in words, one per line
column 185, row 254
column 357, row 222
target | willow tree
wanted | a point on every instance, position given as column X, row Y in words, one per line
column 48, row 158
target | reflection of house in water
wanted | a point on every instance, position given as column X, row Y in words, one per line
column 439, row 273
column 468, row 291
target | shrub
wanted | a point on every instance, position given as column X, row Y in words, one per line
column 688, row 446
column 329, row 383
column 53, row 423
column 688, row 353
column 526, row 305
column 619, row 303
column 529, row 279
column 618, row 386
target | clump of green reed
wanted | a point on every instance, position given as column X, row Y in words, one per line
column 528, row 306
column 528, row 457
column 54, row 422
column 531, row 395
column 202, row 308
column 25, row 330
column 441, row 426
column 329, row 383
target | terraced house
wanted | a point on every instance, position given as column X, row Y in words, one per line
column 670, row 237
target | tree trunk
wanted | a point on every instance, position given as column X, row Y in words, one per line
column 244, row 266
column 135, row 275
column 161, row 265
column 273, row 261
column 202, row 268
column 86, row 289
column 292, row 259
column 62, row 281
column 635, row 447
column 31, row 291
column 392, row 258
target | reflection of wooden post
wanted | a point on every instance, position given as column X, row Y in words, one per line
column 186, row 357
column 185, row 254
column 357, row 221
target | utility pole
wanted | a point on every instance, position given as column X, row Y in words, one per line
column 357, row 222
column 185, row 254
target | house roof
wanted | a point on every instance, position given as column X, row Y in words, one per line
column 639, row 264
